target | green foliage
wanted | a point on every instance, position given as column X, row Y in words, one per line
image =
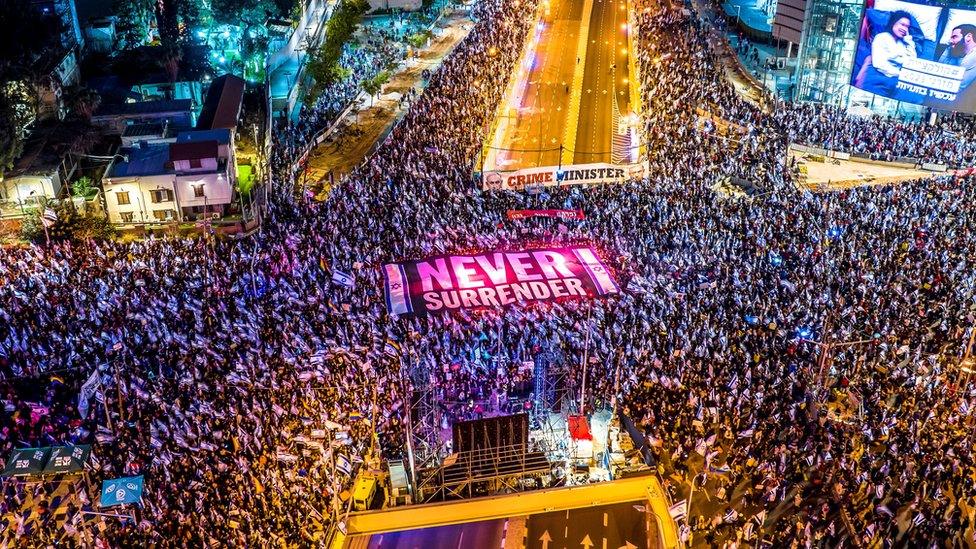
column 340, row 73
column 132, row 22
column 382, row 77
column 243, row 13
column 324, row 60
column 168, row 22
column 11, row 130
column 82, row 101
column 84, row 188
column 418, row 39
column 245, row 179
column 25, row 38
column 374, row 85
column 371, row 86
column 296, row 12
column 71, row 225
column 190, row 13
column 31, row 229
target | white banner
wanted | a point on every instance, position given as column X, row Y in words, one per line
column 551, row 176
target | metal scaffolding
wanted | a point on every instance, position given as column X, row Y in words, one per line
column 423, row 420
column 490, row 471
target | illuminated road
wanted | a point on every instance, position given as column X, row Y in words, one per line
column 568, row 97
column 605, row 74
column 621, row 525
column 540, row 120
column 473, row 535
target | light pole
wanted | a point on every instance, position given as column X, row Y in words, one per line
column 586, row 353
column 967, row 362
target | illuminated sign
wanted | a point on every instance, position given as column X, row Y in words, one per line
column 495, row 279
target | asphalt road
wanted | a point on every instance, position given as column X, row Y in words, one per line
column 541, row 118
column 620, row 526
column 606, row 74
column 471, row 535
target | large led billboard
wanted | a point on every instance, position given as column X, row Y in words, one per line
column 917, row 53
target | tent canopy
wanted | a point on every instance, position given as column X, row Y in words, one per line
column 68, row 459
column 26, row 461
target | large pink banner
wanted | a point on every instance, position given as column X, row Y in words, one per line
column 495, row 279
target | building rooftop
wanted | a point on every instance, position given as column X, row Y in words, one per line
column 146, row 159
column 144, row 107
column 223, row 104
column 48, row 144
column 220, row 135
column 192, row 150
column 142, row 130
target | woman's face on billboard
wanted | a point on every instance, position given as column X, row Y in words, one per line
column 900, row 28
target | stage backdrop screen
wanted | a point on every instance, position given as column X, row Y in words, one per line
column 917, row 53
column 495, row 279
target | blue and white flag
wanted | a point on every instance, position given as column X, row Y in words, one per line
column 679, row 510
column 88, row 389
column 343, row 465
column 342, row 279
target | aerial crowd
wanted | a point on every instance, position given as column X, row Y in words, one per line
column 791, row 357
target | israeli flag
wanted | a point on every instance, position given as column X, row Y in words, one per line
column 342, row 279
column 397, row 289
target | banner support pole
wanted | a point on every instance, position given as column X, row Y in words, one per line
column 586, row 352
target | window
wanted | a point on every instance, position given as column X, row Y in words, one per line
column 162, row 195
column 126, row 217
column 122, row 197
column 163, row 215
column 195, row 163
column 198, row 191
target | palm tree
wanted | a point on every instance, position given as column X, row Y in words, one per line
column 82, row 101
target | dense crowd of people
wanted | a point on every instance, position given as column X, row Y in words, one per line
column 381, row 44
column 247, row 383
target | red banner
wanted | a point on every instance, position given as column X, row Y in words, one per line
column 561, row 214
column 495, row 279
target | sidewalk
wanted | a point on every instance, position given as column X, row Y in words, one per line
column 764, row 71
column 360, row 129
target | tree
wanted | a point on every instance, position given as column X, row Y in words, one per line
column 168, row 22
column 16, row 112
column 170, row 60
column 27, row 36
column 84, row 188
column 374, row 85
column 71, row 224
column 324, row 60
column 132, row 22
column 419, row 39
column 82, row 101
column 242, row 13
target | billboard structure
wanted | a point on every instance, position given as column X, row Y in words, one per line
column 554, row 176
column 495, row 279
column 917, row 53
